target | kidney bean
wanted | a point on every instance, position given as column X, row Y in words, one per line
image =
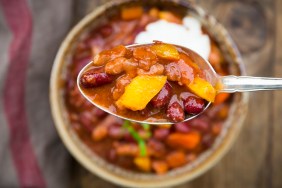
column 115, row 66
column 87, row 120
column 116, row 132
column 163, row 97
column 175, row 112
column 112, row 155
column 90, row 79
column 172, row 71
column 182, row 127
column 98, row 112
column 194, row 105
column 156, row 148
column 161, row 133
column 110, row 120
column 106, row 30
column 76, row 99
column 207, row 141
column 200, row 123
column 80, row 63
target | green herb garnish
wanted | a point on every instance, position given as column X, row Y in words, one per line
column 141, row 142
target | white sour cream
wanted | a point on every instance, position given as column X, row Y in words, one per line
column 188, row 35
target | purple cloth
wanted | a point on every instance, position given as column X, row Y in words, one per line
column 31, row 153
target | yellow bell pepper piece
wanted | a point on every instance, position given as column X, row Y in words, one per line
column 166, row 51
column 143, row 163
column 140, row 91
column 203, row 89
column 130, row 13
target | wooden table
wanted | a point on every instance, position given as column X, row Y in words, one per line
column 255, row 160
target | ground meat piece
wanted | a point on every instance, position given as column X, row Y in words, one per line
column 156, row 69
column 172, row 71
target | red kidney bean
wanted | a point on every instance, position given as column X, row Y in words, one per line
column 90, row 79
column 163, row 97
column 194, row 105
column 98, row 112
column 182, row 127
column 76, row 99
column 200, row 123
column 80, row 63
column 207, row 141
column 175, row 112
column 156, row 148
column 112, row 155
column 161, row 133
column 106, row 30
column 87, row 121
column 116, row 132
column 185, row 95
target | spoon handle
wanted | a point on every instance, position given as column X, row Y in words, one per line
column 231, row 84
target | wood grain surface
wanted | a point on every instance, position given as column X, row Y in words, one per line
column 255, row 160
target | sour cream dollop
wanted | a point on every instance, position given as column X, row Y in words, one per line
column 189, row 35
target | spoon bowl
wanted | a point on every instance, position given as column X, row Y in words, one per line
column 202, row 64
column 226, row 84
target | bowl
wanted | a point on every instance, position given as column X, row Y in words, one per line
column 117, row 175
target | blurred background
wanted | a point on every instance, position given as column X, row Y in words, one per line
column 30, row 34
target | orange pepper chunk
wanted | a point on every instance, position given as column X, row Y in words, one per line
column 203, row 89
column 184, row 140
column 221, row 98
column 130, row 13
column 143, row 163
column 170, row 17
column 140, row 91
column 160, row 167
column 166, row 51
column 176, row 159
column 154, row 12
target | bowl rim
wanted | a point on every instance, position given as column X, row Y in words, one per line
column 82, row 158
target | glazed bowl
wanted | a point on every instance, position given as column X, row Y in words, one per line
column 117, row 175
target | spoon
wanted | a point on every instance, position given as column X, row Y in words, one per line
column 224, row 84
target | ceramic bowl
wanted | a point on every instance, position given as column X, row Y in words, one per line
column 110, row 172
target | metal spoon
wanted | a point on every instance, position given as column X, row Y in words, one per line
column 225, row 84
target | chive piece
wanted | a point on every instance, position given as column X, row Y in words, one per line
column 137, row 138
column 146, row 126
column 142, row 147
